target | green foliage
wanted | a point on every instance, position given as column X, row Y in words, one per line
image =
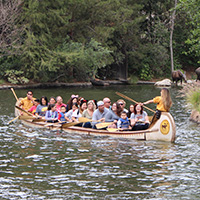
column 77, row 39
column 15, row 77
column 191, row 9
column 151, row 61
column 194, row 98
column 145, row 73
column 192, row 95
column 2, row 81
column 86, row 59
column 133, row 79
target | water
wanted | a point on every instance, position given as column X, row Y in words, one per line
column 43, row 164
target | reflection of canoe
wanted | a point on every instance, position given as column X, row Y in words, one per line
column 163, row 130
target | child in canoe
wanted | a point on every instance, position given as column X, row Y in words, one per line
column 51, row 114
column 123, row 123
column 61, row 115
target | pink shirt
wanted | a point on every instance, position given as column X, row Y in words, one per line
column 59, row 106
column 32, row 109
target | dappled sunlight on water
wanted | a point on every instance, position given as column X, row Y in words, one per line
column 43, row 164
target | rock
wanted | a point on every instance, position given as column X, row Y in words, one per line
column 165, row 82
column 190, row 81
column 195, row 116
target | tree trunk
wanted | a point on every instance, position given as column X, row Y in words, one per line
column 123, row 68
column 171, row 35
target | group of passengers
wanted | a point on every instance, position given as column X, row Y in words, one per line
column 55, row 110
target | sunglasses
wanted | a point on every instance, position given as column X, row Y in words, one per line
column 30, row 94
column 121, row 104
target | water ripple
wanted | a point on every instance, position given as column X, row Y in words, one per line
column 43, row 164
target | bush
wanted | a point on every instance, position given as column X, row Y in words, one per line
column 15, row 77
column 133, row 79
column 146, row 73
column 192, row 95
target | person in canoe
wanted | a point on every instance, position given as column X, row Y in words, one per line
column 34, row 107
column 164, row 103
column 52, row 100
column 130, row 110
column 113, row 115
column 139, row 118
column 73, row 99
column 61, row 115
column 59, row 103
column 73, row 114
column 51, row 114
column 107, row 103
column 42, row 107
column 88, row 113
column 122, row 103
column 99, row 114
column 123, row 123
column 28, row 101
column 82, row 106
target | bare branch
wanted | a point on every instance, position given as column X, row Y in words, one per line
column 9, row 30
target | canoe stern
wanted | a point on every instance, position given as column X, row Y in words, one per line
column 166, row 129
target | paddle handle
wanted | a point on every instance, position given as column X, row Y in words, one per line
column 14, row 94
column 28, row 113
column 124, row 96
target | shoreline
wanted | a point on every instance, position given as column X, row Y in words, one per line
column 75, row 84
column 44, row 85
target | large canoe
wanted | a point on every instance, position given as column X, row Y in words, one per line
column 163, row 130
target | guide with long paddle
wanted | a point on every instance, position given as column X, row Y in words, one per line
column 128, row 98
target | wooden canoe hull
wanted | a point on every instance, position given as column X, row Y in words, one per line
column 163, row 130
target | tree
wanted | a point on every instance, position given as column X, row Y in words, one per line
column 171, row 35
column 9, row 28
column 192, row 8
column 152, row 56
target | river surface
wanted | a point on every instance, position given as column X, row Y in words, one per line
column 43, row 164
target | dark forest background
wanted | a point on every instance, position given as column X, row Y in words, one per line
column 77, row 40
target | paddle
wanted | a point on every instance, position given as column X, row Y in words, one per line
column 34, row 118
column 14, row 94
column 84, row 119
column 112, row 129
column 24, row 111
column 25, row 117
column 103, row 125
column 13, row 119
column 17, row 101
column 66, row 125
column 125, row 97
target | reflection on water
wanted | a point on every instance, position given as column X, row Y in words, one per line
column 43, row 164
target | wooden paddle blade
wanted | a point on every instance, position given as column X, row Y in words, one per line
column 150, row 118
column 66, row 125
column 25, row 117
column 34, row 119
column 103, row 125
column 84, row 119
column 24, row 111
column 112, row 129
column 13, row 119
